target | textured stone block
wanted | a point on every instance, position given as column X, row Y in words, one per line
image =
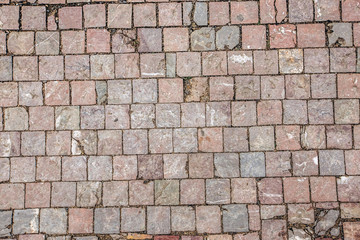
column 5, row 221
column 243, row 190
column 192, row 191
column 63, row 194
column 37, row 195
column 107, row 220
column 26, row 221
column 252, row 164
column 226, row 165
column 53, row 221
column 115, row 193
column 217, row 191
column 208, row 219
column 166, row 192
column 22, row 169
column 88, row 194
column 182, row 218
column 80, row 220
column 331, row 162
column 235, row 218
column 158, row 221
column 13, row 196
column 132, row 219
column 141, row 192
column 99, row 168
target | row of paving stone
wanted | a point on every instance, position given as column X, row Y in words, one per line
column 174, row 192
column 178, row 166
column 295, row 89
column 177, row 90
column 211, row 114
column 179, row 39
column 128, row 15
column 296, row 221
column 179, row 140
column 180, row 64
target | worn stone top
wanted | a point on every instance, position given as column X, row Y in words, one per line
column 169, row 120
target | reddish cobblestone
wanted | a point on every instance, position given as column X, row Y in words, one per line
column 174, row 120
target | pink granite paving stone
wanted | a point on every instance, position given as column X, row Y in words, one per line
column 180, row 120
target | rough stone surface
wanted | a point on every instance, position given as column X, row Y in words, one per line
column 26, row 221
column 227, row 37
column 166, row 192
column 107, row 220
column 183, row 218
column 180, row 120
column 133, row 219
column 5, row 222
column 252, row 164
column 326, row 221
column 235, row 218
column 53, row 221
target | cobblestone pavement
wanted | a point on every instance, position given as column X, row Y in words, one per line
column 175, row 120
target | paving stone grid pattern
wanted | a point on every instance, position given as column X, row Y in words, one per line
column 178, row 120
